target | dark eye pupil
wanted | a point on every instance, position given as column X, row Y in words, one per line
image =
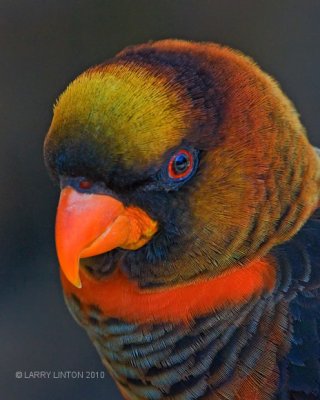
column 181, row 163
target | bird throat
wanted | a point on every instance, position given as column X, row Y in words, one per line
column 119, row 297
column 173, row 348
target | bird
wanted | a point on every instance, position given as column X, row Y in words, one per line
column 188, row 225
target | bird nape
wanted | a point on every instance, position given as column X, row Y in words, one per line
column 188, row 227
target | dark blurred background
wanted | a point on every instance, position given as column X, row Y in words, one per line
column 45, row 44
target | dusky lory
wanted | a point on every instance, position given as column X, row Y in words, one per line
column 188, row 227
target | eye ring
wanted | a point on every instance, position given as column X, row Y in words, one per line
column 181, row 165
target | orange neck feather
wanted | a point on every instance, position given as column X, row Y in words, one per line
column 119, row 297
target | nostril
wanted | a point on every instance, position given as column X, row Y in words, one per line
column 85, row 184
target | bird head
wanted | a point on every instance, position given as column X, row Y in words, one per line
column 176, row 160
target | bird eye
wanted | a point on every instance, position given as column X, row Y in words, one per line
column 85, row 184
column 181, row 165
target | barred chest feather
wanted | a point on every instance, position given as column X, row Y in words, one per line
column 210, row 358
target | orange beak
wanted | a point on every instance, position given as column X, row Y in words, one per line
column 92, row 224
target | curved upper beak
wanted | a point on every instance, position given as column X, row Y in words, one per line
column 91, row 224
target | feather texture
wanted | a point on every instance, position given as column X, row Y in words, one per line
column 222, row 300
